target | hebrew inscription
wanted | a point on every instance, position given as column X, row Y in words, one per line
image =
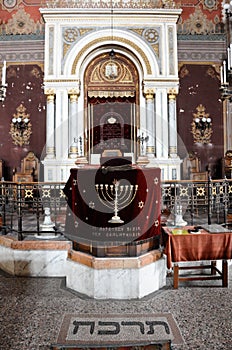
column 110, row 329
column 115, row 330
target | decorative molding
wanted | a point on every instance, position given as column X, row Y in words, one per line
column 109, row 38
column 200, row 51
column 138, row 4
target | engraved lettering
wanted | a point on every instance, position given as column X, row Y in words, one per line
column 134, row 323
column 83, row 323
column 109, row 324
column 156, row 323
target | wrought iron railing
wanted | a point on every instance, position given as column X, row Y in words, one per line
column 23, row 205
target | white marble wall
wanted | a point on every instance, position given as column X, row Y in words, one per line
column 38, row 263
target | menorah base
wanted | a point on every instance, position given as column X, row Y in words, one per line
column 116, row 220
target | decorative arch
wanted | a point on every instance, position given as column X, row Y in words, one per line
column 131, row 45
column 111, row 90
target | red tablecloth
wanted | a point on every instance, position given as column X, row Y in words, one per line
column 197, row 247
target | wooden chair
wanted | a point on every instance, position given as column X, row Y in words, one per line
column 200, row 176
column 29, row 169
column 191, row 165
column 227, row 164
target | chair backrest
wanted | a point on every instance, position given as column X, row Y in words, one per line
column 191, row 164
column 30, row 165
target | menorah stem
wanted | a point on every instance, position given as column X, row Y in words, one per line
column 116, row 219
column 116, row 201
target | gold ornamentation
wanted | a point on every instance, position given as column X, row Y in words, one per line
column 116, row 39
column 70, row 35
column 151, row 35
column 172, row 94
column 184, row 71
column 20, row 127
column 106, row 94
column 201, row 126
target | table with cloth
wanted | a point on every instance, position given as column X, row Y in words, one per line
column 184, row 245
column 88, row 216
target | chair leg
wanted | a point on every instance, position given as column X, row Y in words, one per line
column 176, row 276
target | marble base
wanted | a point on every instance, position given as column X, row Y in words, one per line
column 34, row 258
column 116, row 278
column 99, row 278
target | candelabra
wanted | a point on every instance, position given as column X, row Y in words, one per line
column 226, row 68
column 81, row 159
column 4, row 84
column 142, row 139
column 116, row 197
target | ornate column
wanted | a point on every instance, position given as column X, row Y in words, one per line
column 50, row 124
column 73, row 123
column 150, row 120
column 172, row 124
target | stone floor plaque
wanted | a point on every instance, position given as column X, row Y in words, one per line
column 118, row 331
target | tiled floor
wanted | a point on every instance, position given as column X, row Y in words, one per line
column 32, row 310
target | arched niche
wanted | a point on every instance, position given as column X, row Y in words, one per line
column 111, row 89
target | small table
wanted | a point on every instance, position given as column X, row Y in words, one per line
column 182, row 246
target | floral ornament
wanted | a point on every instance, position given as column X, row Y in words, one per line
column 70, row 35
column 9, row 4
column 141, row 204
column 210, row 5
column 198, row 23
column 151, row 35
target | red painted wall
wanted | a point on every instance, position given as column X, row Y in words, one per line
column 199, row 84
column 24, row 87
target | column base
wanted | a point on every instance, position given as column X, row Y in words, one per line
column 142, row 160
column 81, row 160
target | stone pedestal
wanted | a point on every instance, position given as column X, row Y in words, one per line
column 116, row 278
column 176, row 218
column 47, row 227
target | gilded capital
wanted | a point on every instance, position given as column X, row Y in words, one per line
column 172, row 94
column 50, row 93
column 73, row 95
column 50, row 98
column 149, row 94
